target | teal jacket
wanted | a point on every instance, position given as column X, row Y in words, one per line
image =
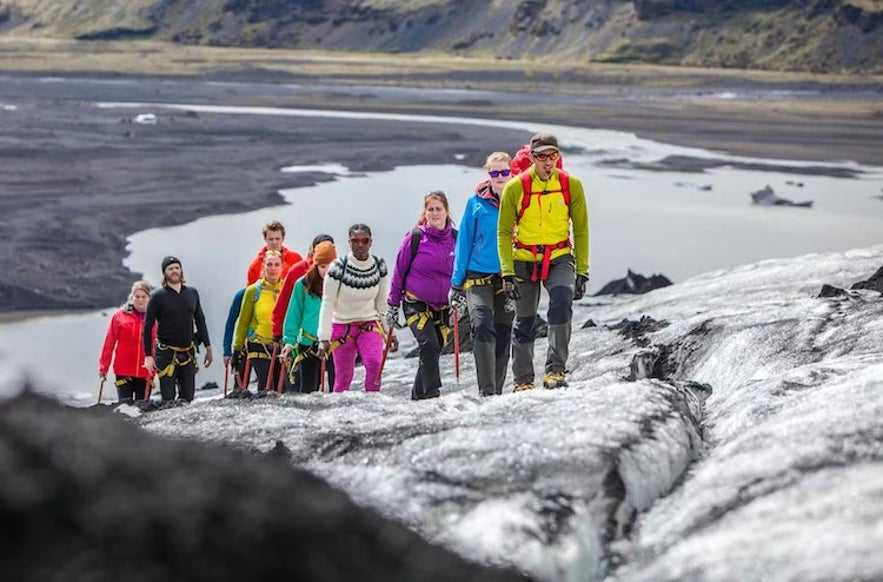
column 302, row 317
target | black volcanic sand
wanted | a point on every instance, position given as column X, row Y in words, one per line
column 76, row 180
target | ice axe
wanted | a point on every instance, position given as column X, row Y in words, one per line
column 385, row 354
column 272, row 362
column 101, row 388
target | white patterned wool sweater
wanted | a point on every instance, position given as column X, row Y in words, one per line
column 354, row 290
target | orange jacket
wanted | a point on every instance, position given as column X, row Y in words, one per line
column 289, row 259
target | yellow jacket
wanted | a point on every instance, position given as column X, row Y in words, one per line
column 256, row 316
column 546, row 221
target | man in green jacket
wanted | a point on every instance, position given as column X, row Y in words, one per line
column 537, row 211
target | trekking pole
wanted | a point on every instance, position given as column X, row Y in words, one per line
column 270, row 371
column 456, row 344
column 385, row 354
column 243, row 381
column 148, row 388
column 322, row 370
column 101, row 389
column 226, row 377
column 283, row 371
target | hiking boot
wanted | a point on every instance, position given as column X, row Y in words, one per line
column 554, row 380
column 522, row 386
column 239, row 393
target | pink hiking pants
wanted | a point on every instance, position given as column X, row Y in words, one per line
column 368, row 344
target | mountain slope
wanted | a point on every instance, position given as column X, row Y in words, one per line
column 808, row 35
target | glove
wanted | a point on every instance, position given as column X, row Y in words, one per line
column 510, row 288
column 579, row 289
column 457, row 300
column 392, row 317
column 237, row 359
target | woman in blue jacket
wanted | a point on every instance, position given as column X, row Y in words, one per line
column 477, row 276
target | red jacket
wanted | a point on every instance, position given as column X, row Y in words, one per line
column 289, row 259
column 295, row 273
column 124, row 334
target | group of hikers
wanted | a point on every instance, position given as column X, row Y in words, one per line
column 300, row 321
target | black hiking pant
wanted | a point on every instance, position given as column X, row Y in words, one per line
column 261, row 366
column 427, row 326
column 180, row 376
column 131, row 388
column 309, row 374
column 491, row 333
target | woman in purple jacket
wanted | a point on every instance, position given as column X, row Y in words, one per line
column 420, row 284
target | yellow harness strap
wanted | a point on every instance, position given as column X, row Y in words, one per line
column 369, row 326
column 260, row 350
column 170, row 369
column 489, row 280
column 421, row 318
column 301, row 354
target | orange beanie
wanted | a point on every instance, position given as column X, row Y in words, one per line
column 324, row 253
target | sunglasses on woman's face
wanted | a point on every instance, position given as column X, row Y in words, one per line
column 549, row 156
column 498, row 173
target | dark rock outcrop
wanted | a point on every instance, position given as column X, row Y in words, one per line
column 664, row 362
column 635, row 284
column 831, row 291
column 874, row 282
column 637, row 330
column 89, row 496
column 861, row 16
column 649, row 9
column 766, row 196
column 118, row 33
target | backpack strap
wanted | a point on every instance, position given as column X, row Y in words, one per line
column 416, row 235
column 527, row 192
column 415, row 245
column 544, row 250
column 257, row 290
